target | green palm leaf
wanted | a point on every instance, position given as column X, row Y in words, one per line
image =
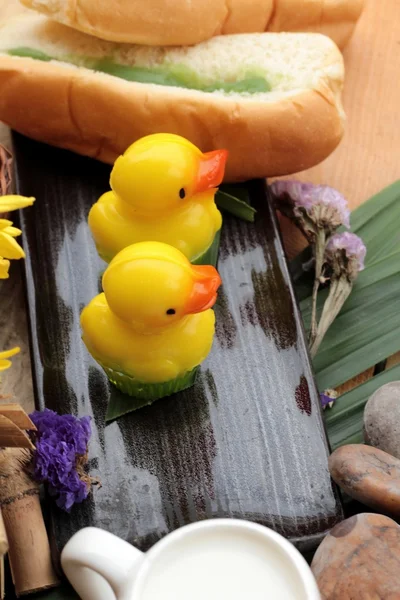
column 367, row 330
column 344, row 421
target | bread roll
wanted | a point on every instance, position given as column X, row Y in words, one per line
column 292, row 127
column 179, row 22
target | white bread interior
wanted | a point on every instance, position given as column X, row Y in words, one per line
column 289, row 62
column 180, row 22
column 294, row 126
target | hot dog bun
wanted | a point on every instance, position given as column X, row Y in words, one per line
column 179, row 22
column 290, row 128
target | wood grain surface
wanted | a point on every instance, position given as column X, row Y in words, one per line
column 366, row 161
column 368, row 158
column 17, row 381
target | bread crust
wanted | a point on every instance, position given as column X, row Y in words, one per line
column 100, row 116
column 179, row 22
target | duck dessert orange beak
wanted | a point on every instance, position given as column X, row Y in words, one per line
column 204, row 293
column 211, row 170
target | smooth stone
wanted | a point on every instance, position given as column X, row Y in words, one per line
column 359, row 559
column 382, row 419
column 368, row 475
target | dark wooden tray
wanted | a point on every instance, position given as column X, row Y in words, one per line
column 247, row 441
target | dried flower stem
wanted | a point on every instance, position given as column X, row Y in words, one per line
column 3, row 538
column 339, row 291
column 319, row 253
column 5, row 170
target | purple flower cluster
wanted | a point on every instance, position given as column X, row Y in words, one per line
column 61, row 440
column 297, row 191
column 323, row 204
column 351, row 244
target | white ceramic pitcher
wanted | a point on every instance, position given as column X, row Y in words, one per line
column 220, row 559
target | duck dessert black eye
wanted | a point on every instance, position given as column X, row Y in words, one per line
column 182, row 193
column 171, row 311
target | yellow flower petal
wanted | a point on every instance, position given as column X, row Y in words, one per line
column 5, row 355
column 13, row 231
column 5, row 364
column 10, row 353
column 6, row 227
column 4, row 266
column 13, row 202
column 9, row 248
column 4, row 223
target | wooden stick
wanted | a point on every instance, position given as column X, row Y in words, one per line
column 11, row 436
column 17, row 415
column 3, row 551
column 5, row 170
column 2, row 578
column 29, row 549
column 3, row 538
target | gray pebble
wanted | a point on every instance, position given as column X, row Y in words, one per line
column 382, row 419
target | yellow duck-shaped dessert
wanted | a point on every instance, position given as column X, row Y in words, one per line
column 153, row 325
column 163, row 189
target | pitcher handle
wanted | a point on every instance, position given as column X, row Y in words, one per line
column 98, row 564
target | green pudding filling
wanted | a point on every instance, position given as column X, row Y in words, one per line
column 168, row 75
column 29, row 53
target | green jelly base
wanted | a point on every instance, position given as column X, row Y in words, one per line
column 146, row 393
column 210, row 256
column 106, row 257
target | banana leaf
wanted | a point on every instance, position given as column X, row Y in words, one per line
column 377, row 223
column 237, row 190
column 344, row 421
column 234, row 205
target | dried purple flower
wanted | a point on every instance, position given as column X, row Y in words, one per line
column 295, row 190
column 74, row 491
column 314, row 206
column 317, row 210
column 328, row 398
column 346, row 252
column 61, row 447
